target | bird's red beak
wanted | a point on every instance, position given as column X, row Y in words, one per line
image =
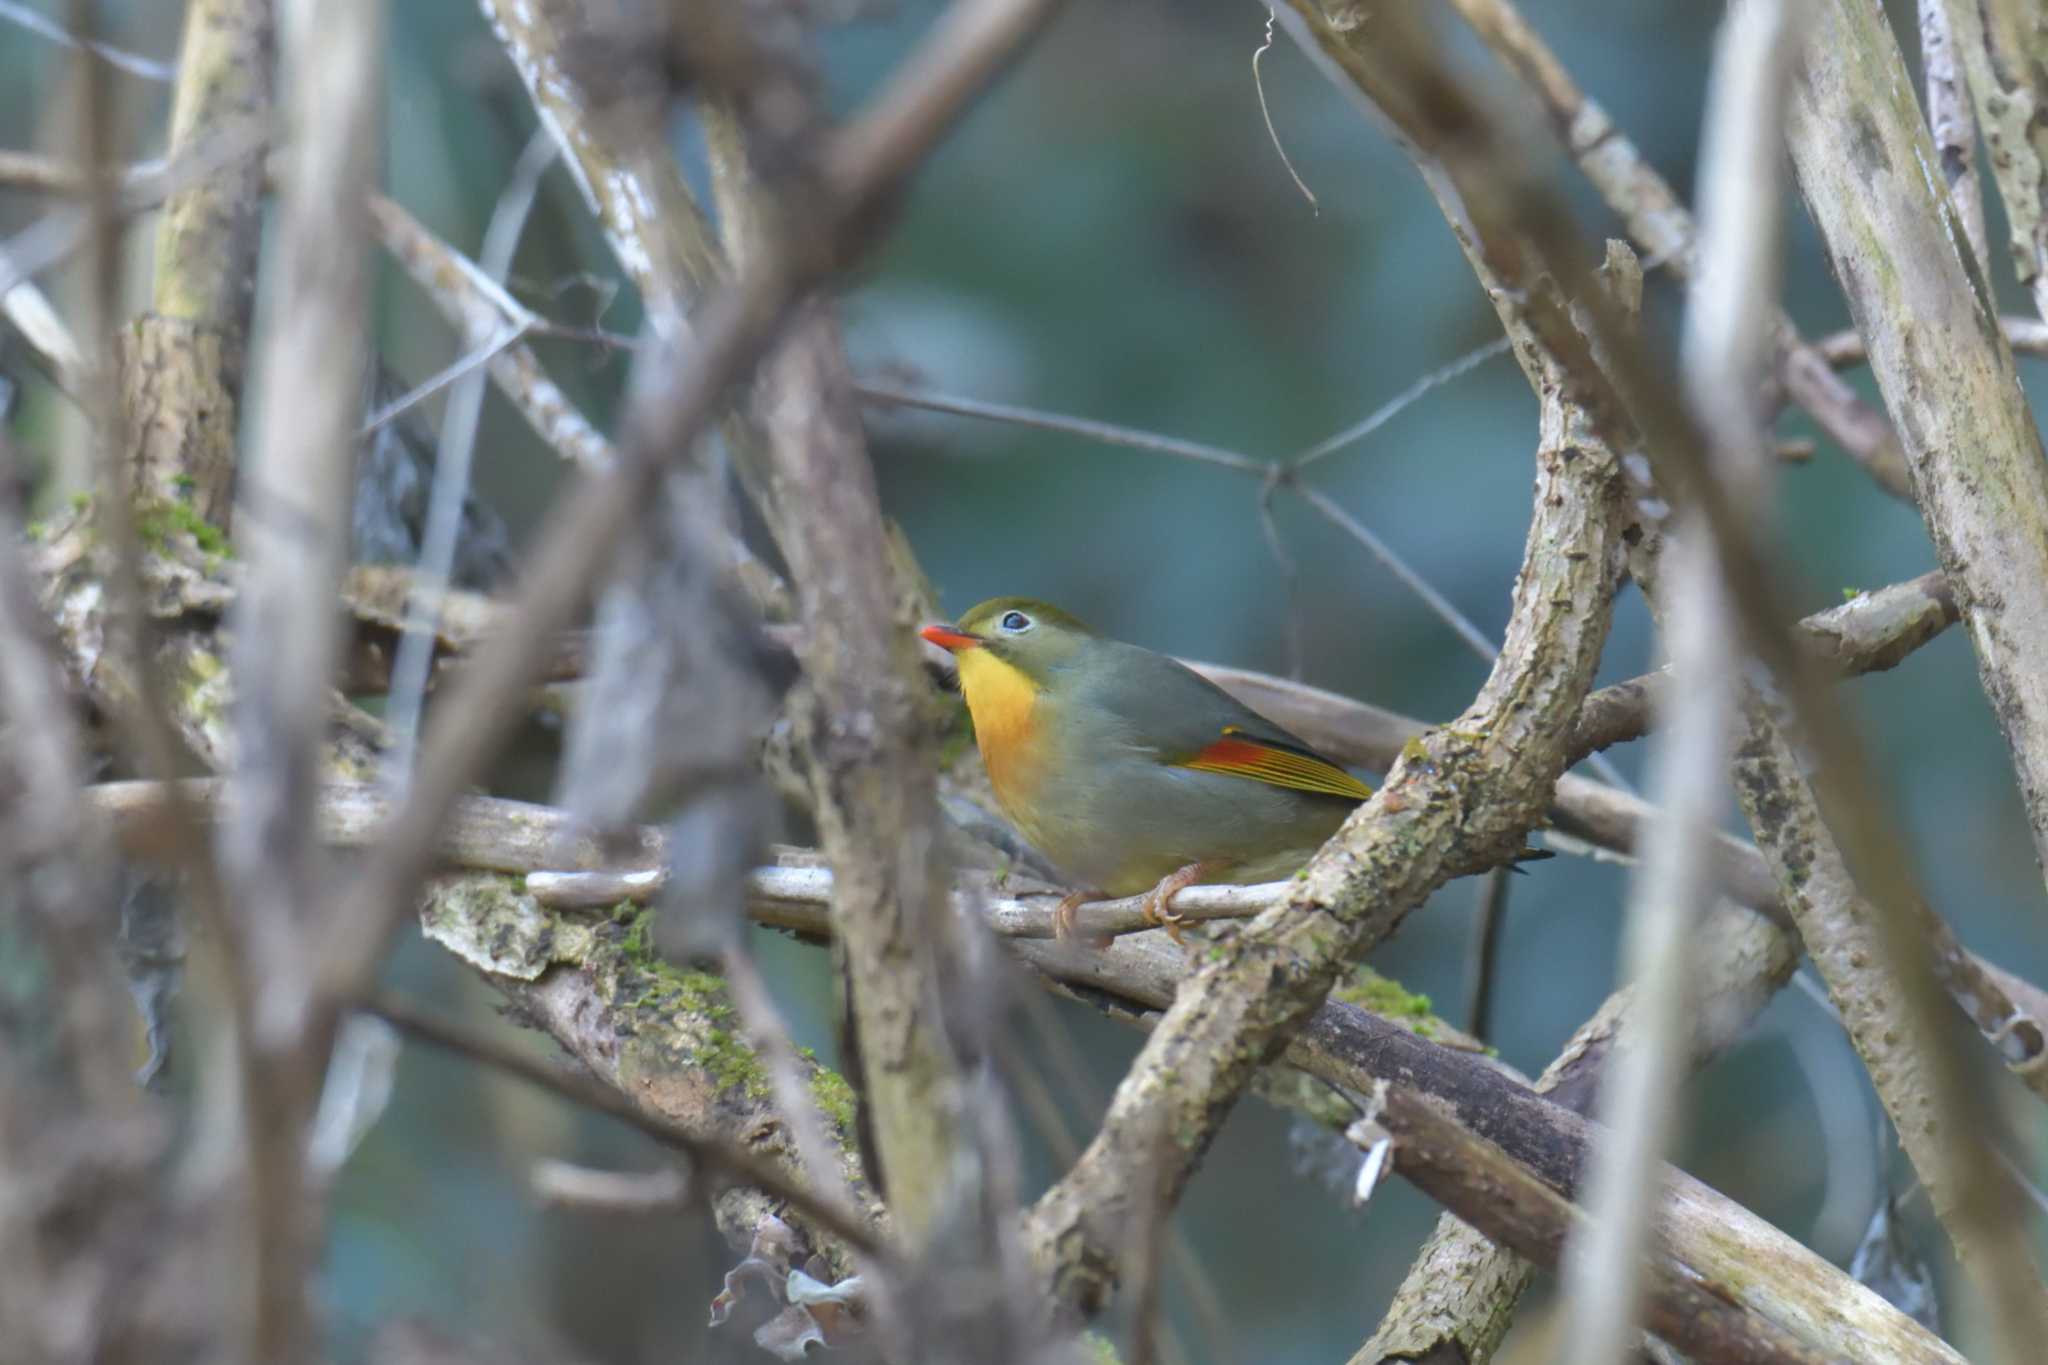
column 945, row 637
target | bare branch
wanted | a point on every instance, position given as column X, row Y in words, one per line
column 471, row 300
column 443, row 520
column 187, row 357
column 133, row 63
column 1973, row 444
column 1725, row 339
column 1482, row 1185
column 49, row 845
column 1871, row 632
column 632, row 184
column 1954, row 126
column 730, row 331
column 27, row 309
column 728, row 1160
column 894, row 395
column 2001, row 48
column 562, row 1185
column 1978, row 469
column 517, row 942
column 1462, row 1289
column 1395, row 51
column 1400, row 402
column 1663, row 230
column 295, row 533
column 873, row 788
column 2028, row 336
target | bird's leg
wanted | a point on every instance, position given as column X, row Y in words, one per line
column 1159, row 900
column 1063, row 913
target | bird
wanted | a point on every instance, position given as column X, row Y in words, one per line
column 1128, row 770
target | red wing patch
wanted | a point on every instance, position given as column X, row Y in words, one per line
column 1241, row 757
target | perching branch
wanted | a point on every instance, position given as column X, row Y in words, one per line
column 523, row 945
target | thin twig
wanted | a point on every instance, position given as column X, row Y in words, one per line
column 408, row 694
column 2025, row 335
column 891, row 395
column 561, row 1185
column 1332, row 511
column 477, row 356
column 1489, row 925
column 133, row 63
column 1272, row 133
column 1401, row 401
column 468, row 297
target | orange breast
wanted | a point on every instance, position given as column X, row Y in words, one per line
column 1004, row 703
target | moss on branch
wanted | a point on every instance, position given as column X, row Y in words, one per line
column 667, row 1036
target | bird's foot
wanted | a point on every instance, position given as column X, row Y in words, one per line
column 1063, row 914
column 1159, row 900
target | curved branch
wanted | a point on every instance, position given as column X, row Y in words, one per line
column 1663, row 230
column 1457, row 797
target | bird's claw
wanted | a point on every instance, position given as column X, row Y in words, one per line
column 1159, row 904
column 1063, row 916
column 1159, row 916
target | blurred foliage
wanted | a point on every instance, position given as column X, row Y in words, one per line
column 1112, row 234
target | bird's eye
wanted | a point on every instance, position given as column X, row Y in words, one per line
column 1016, row 622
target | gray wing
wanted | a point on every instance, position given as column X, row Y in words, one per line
column 1162, row 707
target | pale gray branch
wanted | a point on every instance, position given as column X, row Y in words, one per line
column 294, row 532
column 1954, row 126
column 1727, row 316
column 1862, row 154
column 1662, row 229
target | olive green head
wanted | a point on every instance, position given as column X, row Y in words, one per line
column 1031, row 636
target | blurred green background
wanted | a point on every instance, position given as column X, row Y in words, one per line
column 1112, row 234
